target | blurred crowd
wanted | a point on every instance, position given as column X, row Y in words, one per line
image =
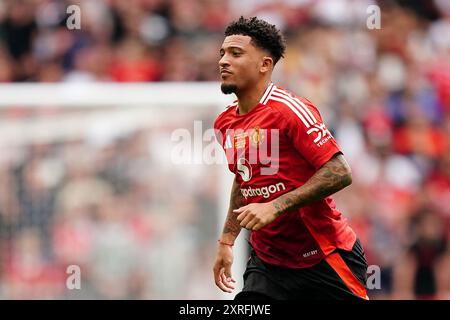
column 136, row 226
column 384, row 93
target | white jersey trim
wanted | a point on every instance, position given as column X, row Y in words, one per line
column 267, row 93
column 294, row 109
column 298, row 104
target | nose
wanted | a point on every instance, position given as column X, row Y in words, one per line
column 223, row 62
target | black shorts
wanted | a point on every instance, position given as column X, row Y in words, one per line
column 341, row 275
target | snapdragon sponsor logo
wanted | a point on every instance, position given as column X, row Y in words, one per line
column 265, row 192
column 243, row 148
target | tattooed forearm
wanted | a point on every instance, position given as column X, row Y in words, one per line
column 232, row 227
column 332, row 177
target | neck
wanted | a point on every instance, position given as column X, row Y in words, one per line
column 248, row 99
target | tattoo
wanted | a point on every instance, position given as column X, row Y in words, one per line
column 232, row 226
column 330, row 178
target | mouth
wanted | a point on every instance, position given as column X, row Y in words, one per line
column 225, row 73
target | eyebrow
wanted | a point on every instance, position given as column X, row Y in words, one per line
column 230, row 48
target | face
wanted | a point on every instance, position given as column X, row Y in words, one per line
column 242, row 64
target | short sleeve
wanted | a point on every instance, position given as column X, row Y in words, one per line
column 224, row 140
column 218, row 133
column 308, row 133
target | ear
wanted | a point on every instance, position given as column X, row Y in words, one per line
column 266, row 64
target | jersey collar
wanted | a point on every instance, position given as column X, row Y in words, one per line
column 267, row 93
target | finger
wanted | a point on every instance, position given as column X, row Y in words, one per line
column 257, row 226
column 227, row 281
column 216, row 270
column 216, row 276
column 222, row 287
column 251, row 224
column 227, row 272
column 223, row 280
column 242, row 216
column 228, row 278
column 249, row 217
column 239, row 210
column 220, row 284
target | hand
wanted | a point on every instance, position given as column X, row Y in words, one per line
column 256, row 215
column 222, row 268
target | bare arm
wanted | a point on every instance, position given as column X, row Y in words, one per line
column 232, row 227
column 330, row 178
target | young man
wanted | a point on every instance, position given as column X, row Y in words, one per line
column 302, row 247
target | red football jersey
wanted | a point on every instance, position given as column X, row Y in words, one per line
column 274, row 149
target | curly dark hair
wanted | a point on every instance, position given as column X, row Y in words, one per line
column 264, row 35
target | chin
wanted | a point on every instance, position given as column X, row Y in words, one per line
column 228, row 88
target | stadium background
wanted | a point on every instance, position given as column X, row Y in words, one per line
column 103, row 197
